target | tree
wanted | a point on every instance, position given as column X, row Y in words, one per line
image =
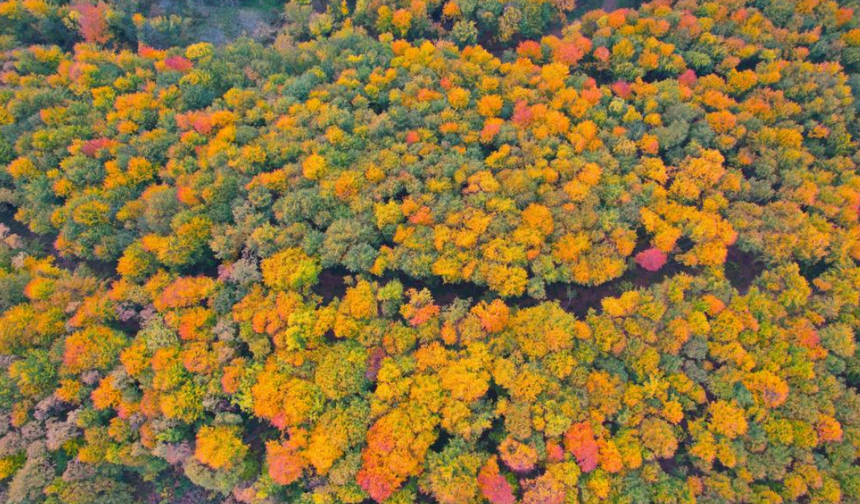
column 220, row 447
column 93, row 348
column 451, row 474
column 290, row 269
column 652, row 259
column 580, row 441
column 494, row 487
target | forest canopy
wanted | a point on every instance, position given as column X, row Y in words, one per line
column 430, row 251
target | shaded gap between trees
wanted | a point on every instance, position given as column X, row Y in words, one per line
column 741, row 269
column 45, row 243
column 573, row 298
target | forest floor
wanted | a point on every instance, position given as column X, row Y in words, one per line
column 220, row 22
column 583, row 6
column 40, row 245
column 741, row 270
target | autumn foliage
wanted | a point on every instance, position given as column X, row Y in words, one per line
column 431, row 251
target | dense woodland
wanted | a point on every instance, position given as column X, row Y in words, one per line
column 431, row 251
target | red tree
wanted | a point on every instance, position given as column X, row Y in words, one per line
column 494, row 486
column 93, row 22
column 652, row 259
column 579, row 440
